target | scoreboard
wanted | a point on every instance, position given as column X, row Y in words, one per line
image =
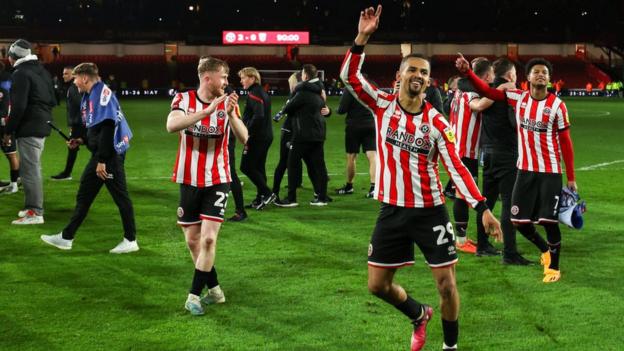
column 239, row 37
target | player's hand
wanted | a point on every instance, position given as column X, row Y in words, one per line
column 507, row 86
column 232, row 102
column 492, row 226
column 6, row 140
column 462, row 64
column 397, row 87
column 572, row 186
column 369, row 20
column 214, row 104
column 75, row 143
column 100, row 170
column 325, row 110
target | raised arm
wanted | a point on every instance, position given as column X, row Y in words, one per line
column 369, row 21
column 350, row 71
column 482, row 87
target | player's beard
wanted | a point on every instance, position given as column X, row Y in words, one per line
column 415, row 92
column 218, row 92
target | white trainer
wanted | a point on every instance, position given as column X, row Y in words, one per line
column 22, row 213
column 193, row 305
column 57, row 241
column 30, row 217
column 214, row 295
column 9, row 189
column 126, row 246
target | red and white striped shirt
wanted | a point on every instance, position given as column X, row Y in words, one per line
column 539, row 123
column 466, row 124
column 203, row 158
column 408, row 147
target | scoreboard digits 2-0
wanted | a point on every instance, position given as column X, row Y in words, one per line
column 239, row 37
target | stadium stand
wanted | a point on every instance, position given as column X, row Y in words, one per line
column 133, row 69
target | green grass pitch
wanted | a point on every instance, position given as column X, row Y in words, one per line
column 295, row 279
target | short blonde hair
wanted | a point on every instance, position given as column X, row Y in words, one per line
column 87, row 68
column 211, row 64
column 250, row 72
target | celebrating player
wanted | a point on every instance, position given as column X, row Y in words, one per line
column 203, row 118
column 542, row 125
column 467, row 127
column 411, row 136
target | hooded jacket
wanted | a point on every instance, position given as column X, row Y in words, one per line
column 32, row 99
column 304, row 108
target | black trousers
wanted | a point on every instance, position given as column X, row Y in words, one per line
column 235, row 185
column 282, row 164
column 499, row 176
column 90, row 186
column 313, row 155
column 72, row 154
column 253, row 164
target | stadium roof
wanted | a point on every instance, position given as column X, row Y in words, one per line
column 329, row 21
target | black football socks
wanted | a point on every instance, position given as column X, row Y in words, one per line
column 413, row 309
column 451, row 333
column 200, row 278
column 529, row 232
column 212, row 278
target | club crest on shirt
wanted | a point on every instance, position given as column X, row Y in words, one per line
column 547, row 110
column 221, row 114
column 424, row 128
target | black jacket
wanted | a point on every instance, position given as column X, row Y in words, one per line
column 498, row 127
column 357, row 114
column 32, row 100
column 74, row 117
column 100, row 140
column 73, row 99
column 434, row 97
column 4, row 102
column 304, row 108
column 257, row 114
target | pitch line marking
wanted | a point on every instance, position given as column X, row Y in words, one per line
column 599, row 165
column 591, row 113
